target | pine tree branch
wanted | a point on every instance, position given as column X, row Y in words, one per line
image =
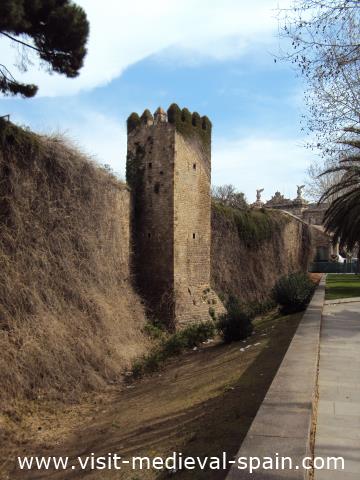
column 8, row 71
column 21, row 42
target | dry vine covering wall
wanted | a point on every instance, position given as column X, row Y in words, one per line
column 69, row 319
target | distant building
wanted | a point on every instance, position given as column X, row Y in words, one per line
column 312, row 214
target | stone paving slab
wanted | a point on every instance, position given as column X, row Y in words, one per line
column 342, row 300
column 266, row 446
column 344, row 409
column 331, row 475
column 344, row 384
column 282, row 424
column 340, row 447
column 329, row 360
column 338, row 420
column 337, row 394
column 330, row 428
column 332, row 351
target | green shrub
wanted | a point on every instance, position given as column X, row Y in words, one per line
column 148, row 364
column 137, row 369
column 189, row 337
column 154, row 331
column 259, row 308
column 197, row 333
column 236, row 323
column 174, row 344
column 153, row 361
column 293, row 292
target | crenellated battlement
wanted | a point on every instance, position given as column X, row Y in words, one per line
column 185, row 122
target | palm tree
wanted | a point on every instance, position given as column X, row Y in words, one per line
column 342, row 217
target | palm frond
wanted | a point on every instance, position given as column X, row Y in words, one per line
column 342, row 217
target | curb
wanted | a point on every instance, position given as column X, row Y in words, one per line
column 283, row 424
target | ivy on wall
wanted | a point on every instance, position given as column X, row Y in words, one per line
column 254, row 226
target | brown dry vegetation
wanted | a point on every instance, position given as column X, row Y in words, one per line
column 201, row 406
column 69, row 320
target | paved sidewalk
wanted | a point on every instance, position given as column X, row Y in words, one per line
column 282, row 424
column 338, row 420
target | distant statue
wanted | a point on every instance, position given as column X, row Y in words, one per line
column 258, row 195
column 299, row 191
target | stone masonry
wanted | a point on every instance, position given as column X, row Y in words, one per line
column 311, row 213
column 168, row 170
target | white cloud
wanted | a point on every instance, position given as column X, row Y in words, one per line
column 99, row 136
column 257, row 161
column 248, row 161
column 124, row 32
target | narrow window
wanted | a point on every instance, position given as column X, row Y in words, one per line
column 150, row 165
column 161, row 172
column 194, row 166
column 157, row 187
column 149, row 235
column 193, row 235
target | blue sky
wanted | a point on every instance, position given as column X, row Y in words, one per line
column 214, row 56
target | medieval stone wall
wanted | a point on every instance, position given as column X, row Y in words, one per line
column 248, row 270
column 192, row 203
column 150, row 174
column 181, row 246
column 323, row 245
column 192, row 236
column 314, row 214
column 168, row 169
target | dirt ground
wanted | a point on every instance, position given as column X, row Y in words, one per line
column 200, row 404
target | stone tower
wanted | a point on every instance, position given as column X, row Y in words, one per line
column 168, row 170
